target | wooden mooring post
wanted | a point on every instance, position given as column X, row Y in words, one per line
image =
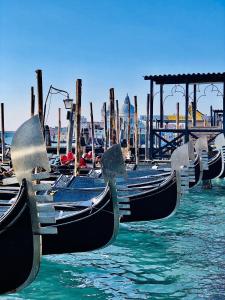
column 140, row 132
column 117, row 122
column 3, row 131
column 224, row 107
column 186, row 137
column 32, row 100
column 40, row 97
column 194, row 106
column 112, row 128
column 147, row 129
column 151, row 114
column 136, row 143
column 77, row 126
column 177, row 118
column 128, row 130
column 105, row 126
column 92, row 135
column 59, row 131
column 211, row 115
column 161, row 106
column 177, row 115
column 70, row 128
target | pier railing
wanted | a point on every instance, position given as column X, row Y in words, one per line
column 157, row 150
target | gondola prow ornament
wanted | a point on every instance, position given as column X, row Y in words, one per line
column 20, row 230
column 29, row 155
column 201, row 147
column 180, row 163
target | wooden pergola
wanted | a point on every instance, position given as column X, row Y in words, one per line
column 187, row 80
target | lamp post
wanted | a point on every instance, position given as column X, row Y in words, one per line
column 70, row 107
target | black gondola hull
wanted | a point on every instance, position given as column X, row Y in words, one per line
column 215, row 167
column 92, row 229
column 17, row 247
column 155, row 204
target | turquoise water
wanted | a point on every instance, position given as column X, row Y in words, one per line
column 182, row 257
column 8, row 137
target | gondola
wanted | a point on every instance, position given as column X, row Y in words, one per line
column 196, row 171
column 150, row 204
column 85, row 223
column 156, row 203
column 220, row 146
column 162, row 201
column 194, row 165
column 20, row 248
column 214, row 166
column 79, row 227
column 146, row 189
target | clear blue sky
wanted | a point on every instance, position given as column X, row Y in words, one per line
column 106, row 43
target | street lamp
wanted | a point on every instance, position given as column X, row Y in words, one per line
column 52, row 90
column 70, row 107
column 68, row 103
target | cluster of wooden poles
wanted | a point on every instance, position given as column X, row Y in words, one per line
column 112, row 134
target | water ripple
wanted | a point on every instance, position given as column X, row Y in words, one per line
column 181, row 257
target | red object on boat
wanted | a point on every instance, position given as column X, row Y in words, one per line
column 82, row 163
column 89, row 155
column 63, row 159
column 70, row 156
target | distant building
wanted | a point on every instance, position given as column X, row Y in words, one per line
column 124, row 112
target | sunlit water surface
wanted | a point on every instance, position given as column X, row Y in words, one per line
column 182, row 257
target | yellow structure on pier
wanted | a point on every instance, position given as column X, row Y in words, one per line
column 200, row 117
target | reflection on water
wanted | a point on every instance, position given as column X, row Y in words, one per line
column 178, row 258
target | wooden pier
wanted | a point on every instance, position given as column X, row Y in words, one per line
column 188, row 81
